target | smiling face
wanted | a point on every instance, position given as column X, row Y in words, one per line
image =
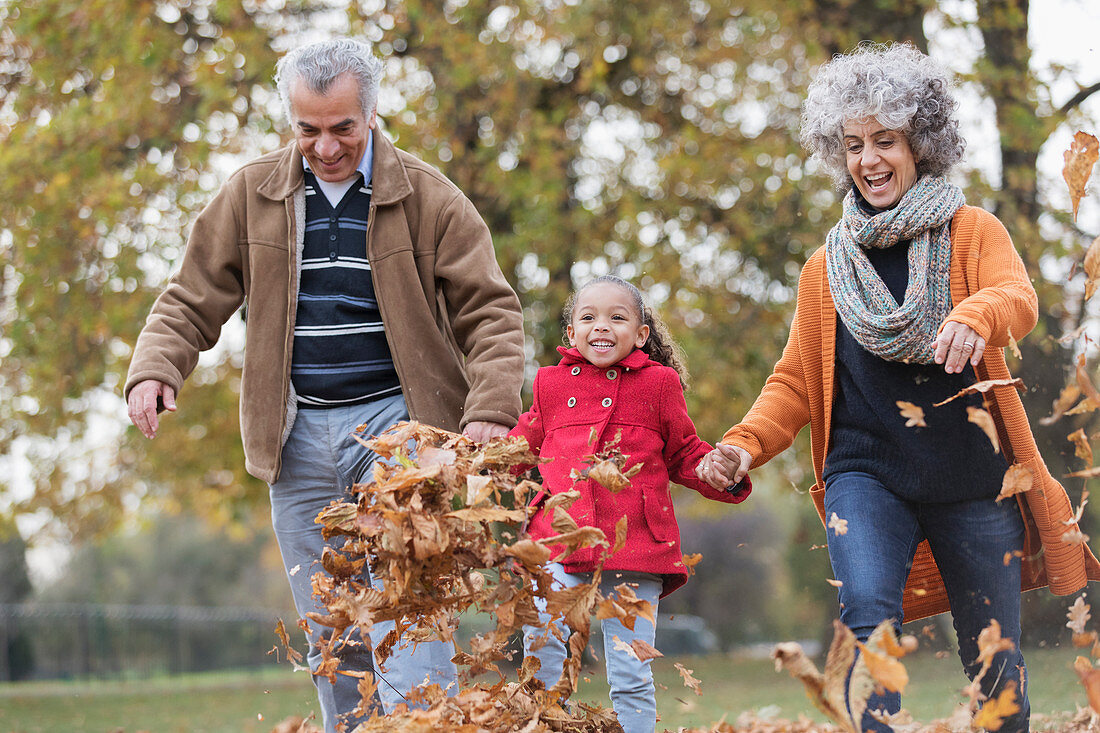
column 605, row 326
column 331, row 129
column 880, row 162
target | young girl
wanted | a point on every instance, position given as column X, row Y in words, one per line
column 621, row 375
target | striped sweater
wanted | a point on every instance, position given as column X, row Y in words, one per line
column 992, row 294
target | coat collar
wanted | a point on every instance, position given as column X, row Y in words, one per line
column 389, row 179
column 636, row 359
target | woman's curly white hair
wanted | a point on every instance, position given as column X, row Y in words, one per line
column 895, row 84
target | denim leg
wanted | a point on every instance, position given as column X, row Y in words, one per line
column 320, row 462
column 970, row 541
column 552, row 653
column 409, row 665
column 633, row 696
column 871, row 560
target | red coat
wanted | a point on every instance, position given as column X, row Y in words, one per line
column 644, row 400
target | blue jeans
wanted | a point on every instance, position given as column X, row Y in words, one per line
column 969, row 541
column 321, row 460
column 633, row 696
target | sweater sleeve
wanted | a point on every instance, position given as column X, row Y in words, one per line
column 684, row 448
column 782, row 408
column 530, row 425
column 1002, row 299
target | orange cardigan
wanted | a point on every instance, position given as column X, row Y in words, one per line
column 992, row 294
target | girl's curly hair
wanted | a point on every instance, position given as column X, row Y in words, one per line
column 896, row 84
column 659, row 346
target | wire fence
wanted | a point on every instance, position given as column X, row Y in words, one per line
column 105, row 641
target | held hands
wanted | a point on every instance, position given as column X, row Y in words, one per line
column 724, row 467
column 481, row 431
column 955, row 345
column 143, row 403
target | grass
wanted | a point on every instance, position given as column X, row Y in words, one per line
column 254, row 702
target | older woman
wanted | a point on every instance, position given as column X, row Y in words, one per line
column 928, row 290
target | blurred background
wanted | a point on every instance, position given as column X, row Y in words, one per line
column 657, row 140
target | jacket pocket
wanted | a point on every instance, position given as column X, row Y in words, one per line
column 659, row 515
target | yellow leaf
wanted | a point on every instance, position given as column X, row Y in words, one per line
column 1079, row 159
column 994, row 712
column 913, row 413
column 1090, row 679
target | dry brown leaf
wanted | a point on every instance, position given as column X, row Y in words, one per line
column 1090, row 679
column 835, row 583
column 1017, row 480
column 292, row 654
column 689, row 680
column 789, row 656
column 1092, row 268
column 608, row 475
column 913, row 414
column 1009, row 555
column 838, row 525
column 1081, row 447
column 1084, row 473
column 994, row 711
column 644, row 650
column 983, row 387
column 884, row 669
column 984, row 420
column 620, row 535
column 1082, row 155
column 838, row 668
column 478, row 489
column 622, row 646
column 690, row 561
column 1065, row 400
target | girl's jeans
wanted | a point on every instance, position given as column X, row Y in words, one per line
column 633, row 696
column 970, row 541
column 321, row 460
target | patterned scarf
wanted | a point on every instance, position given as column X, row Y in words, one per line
column 865, row 305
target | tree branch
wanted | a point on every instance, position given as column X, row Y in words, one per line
column 1079, row 97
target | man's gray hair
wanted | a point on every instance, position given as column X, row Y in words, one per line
column 320, row 64
column 895, row 84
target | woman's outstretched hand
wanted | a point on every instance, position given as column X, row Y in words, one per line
column 956, row 344
column 724, row 466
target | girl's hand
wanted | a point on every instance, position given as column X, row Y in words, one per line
column 956, row 344
column 724, row 466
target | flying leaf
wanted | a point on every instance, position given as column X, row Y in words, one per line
column 838, row 668
column 983, row 387
column 913, row 414
column 835, row 583
column 994, row 711
column 478, row 489
column 644, row 650
column 608, row 475
column 1065, row 400
column 1017, row 480
column 622, row 646
column 1079, row 159
column 984, row 420
column 1092, row 268
column 1078, row 615
column 1013, row 346
column 790, row 656
column 689, row 680
column 838, row 525
column 620, row 535
column 292, row 654
column 1090, row 679
column 1081, row 447
column 690, row 561
column 1085, row 473
column 884, row 669
column 1080, row 510
column 1075, row 537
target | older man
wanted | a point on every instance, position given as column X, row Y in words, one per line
column 373, row 294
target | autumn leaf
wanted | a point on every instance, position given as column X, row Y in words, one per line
column 1084, row 473
column 835, row 583
column 1092, row 268
column 1079, row 159
column 983, row 387
column 1081, row 447
column 993, row 713
column 1017, row 480
column 478, row 489
column 622, row 646
column 690, row 561
column 608, row 475
column 644, row 650
column 1064, row 402
column 838, row 525
column 292, row 654
column 984, row 420
column 884, row 669
column 838, row 670
column 689, row 680
column 1014, row 347
column 913, row 413
column 1075, row 537
column 620, row 535
column 1090, row 679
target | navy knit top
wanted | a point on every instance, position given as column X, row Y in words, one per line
column 341, row 356
column 949, row 460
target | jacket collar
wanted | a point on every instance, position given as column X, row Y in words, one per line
column 634, row 360
column 390, row 180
